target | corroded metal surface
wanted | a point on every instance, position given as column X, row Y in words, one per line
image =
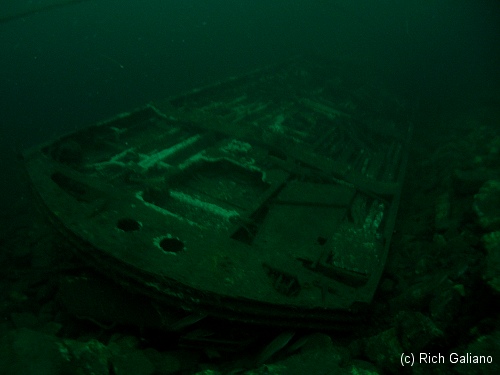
column 267, row 198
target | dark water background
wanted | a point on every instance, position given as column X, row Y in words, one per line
column 64, row 69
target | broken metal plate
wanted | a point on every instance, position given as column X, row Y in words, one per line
column 267, row 198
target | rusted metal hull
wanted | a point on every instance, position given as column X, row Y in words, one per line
column 268, row 198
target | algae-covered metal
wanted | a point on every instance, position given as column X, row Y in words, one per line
column 267, row 198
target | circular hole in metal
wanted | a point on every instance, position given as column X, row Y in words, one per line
column 321, row 240
column 172, row 245
column 128, row 225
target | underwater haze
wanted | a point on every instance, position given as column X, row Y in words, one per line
column 314, row 187
column 67, row 67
